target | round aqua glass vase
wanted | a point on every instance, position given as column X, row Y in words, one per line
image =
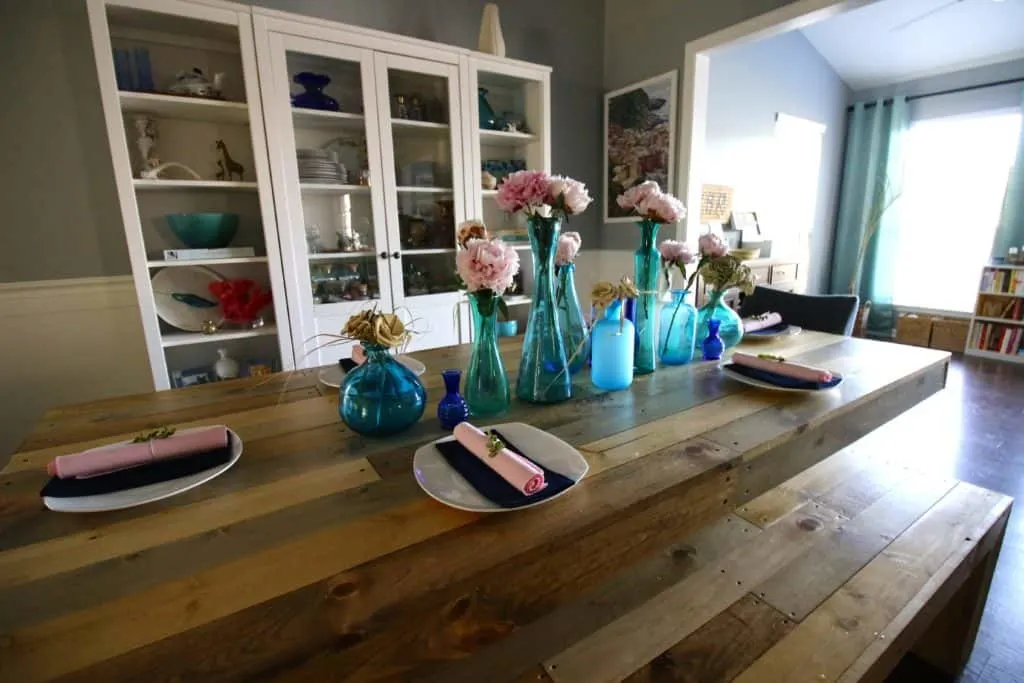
column 612, row 344
column 646, row 261
column 544, row 369
column 487, row 389
column 731, row 327
column 570, row 318
column 381, row 396
column 677, row 333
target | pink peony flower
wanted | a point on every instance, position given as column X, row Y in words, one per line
column 661, row 207
column 632, row 197
column 568, row 194
column 712, row 245
column 675, row 253
column 523, row 191
column 487, row 264
column 568, row 246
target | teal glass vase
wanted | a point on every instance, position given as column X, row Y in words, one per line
column 612, row 344
column 677, row 334
column 731, row 327
column 543, row 369
column 646, row 261
column 487, row 389
column 381, row 396
column 570, row 318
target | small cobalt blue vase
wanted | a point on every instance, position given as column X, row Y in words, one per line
column 713, row 346
column 313, row 97
column 452, row 408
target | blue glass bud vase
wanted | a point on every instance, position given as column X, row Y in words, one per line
column 731, row 326
column 543, row 368
column 488, row 120
column 381, row 396
column 487, row 389
column 612, row 342
column 646, row 260
column 713, row 346
column 452, row 408
column 570, row 318
column 678, row 329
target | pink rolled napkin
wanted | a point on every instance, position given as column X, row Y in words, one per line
column 109, row 458
column 761, row 322
column 510, row 466
column 359, row 354
column 799, row 371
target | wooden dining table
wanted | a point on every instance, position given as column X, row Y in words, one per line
column 317, row 557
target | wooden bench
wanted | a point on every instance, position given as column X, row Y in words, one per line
column 832, row 576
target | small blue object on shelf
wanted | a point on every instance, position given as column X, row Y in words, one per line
column 204, row 230
column 713, row 346
column 612, row 342
column 313, row 97
column 452, row 408
column 488, row 120
column 123, row 70
column 143, row 70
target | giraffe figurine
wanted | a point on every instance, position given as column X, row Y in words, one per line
column 227, row 164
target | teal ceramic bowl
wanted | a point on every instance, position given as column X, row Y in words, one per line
column 508, row 328
column 204, row 230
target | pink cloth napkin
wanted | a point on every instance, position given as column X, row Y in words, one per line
column 799, row 371
column 755, row 324
column 359, row 354
column 512, row 467
column 109, row 458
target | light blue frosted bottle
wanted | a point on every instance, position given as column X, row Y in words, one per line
column 612, row 347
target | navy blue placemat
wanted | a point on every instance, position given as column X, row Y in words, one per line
column 490, row 484
column 774, row 329
column 134, row 477
column 781, row 380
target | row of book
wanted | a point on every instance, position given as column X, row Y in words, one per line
column 997, row 281
column 996, row 337
column 1008, row 309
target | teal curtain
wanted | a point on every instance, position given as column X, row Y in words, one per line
column 863, row 256
column 1010, row 232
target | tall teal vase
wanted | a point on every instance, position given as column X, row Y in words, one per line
column 613, row 346
column 487, row 390
column 731, row 328
column 646, row 260
column 381, row 396
column 543, row 369
column 677, row 329
column 570, row 318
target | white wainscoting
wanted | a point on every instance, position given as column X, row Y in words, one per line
column 64, row 342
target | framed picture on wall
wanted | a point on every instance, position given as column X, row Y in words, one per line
column 639, row 139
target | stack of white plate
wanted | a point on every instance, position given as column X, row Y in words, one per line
column 316, row 166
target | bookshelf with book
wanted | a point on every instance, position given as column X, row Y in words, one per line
column 997, row 325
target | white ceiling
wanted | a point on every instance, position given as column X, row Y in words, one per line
column 875, row 45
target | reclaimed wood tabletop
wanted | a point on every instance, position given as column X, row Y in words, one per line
column 317, row 557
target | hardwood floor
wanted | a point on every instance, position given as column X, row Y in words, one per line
column 974, row 431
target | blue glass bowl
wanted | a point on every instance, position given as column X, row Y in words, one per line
column 204, row 230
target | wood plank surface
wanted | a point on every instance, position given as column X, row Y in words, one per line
column 318, row 558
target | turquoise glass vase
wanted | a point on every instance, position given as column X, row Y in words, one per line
column 487, row 390
column 646, row 260
column 570, row 318
column 543, row 369
column 731, row 327
column 381, row 396
column 612, row 345
column 677, row 329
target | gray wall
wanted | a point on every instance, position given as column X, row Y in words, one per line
column 749, row 84
column 60, row 213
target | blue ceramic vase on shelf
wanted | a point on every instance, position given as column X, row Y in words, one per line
column 646, row 261
column 452, row 408
column 313, row 97
column 730, row 324
column 487, row 388
column 543, row 370
column 612, row 343
column 570, row 318
column 381, row 396
column 488, row 120
column 678, row 329
column 712, row 345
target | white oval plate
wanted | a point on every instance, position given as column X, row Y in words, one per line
column 771, row 387
column 788, row 331
column 187, row 280
column 442, row 483
column 150, row 493
column 334, row 375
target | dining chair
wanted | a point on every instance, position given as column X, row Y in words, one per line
column 832, row 313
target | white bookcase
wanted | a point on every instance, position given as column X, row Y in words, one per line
column 412, row 178
column 999, row 306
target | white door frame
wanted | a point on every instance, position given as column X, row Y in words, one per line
column 694, row 110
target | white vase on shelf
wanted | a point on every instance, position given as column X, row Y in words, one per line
column 491, row 40
column 226, row 367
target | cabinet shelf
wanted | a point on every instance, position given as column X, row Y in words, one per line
column 181, row 107
column 505, row 138
column 180, row 263
column 421, row 252
column 410, row 125
column 333, row 188
column 491, row 194
column 188, row 338
column 1002, row 321
column 339, row 255
column 424, row 190
column 518, row 300
column 318, row 118
column 1007, row 294
column 1011, row 357
column 147, row 184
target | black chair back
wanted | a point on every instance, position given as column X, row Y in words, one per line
column 832, row 313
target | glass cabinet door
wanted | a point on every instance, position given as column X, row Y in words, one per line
column 332, row 197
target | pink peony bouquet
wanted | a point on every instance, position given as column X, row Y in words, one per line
column 712, row 245
column 487, row 266
column 537, row 193
column 675, row 255
column 568, row 246
column 650, row 203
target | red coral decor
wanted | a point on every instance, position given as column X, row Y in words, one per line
column 240, row 300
